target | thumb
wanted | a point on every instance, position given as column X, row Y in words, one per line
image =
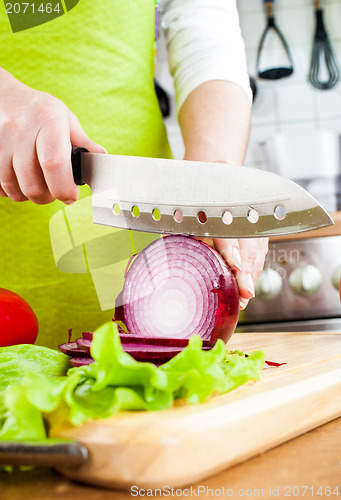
column 79, row 138
column 230, row 251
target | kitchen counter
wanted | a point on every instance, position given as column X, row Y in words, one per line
column 313, row 460
column 286, row 402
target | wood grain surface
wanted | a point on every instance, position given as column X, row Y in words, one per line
column 312, row 459
column 187, row 444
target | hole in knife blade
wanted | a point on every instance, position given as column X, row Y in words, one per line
column 227, row 218
column 116, row 209
column 201, row 217
column 135, row 211
column 156, row 214
column 280, row 212
column 252, row 216
column 178, row 217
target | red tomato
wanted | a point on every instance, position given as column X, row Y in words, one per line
column 18, row 323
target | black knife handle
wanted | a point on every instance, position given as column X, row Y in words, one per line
column 54, row 453
column 76, row 165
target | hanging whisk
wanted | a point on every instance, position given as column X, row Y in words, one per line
column 322, row 58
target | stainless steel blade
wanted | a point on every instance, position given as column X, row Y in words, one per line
column 197, row 198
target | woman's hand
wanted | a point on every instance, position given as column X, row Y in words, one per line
column 246, row 258
column 36, row 134
column 215, row 122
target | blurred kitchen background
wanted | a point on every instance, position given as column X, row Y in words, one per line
column 289, row 105
column 296, row 130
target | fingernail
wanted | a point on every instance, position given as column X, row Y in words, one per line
column 69, row 202
column 232, row 257
column 242, row 305
column 251, row 286
column 237, row 259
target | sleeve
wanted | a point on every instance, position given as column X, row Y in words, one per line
column 204, row 43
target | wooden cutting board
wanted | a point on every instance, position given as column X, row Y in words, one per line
column 185, row 444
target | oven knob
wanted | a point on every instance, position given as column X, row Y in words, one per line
column 305, row 280
column 336, row 277
column 269, row 284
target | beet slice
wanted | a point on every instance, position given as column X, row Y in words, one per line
column 127, row 338
column 72, row 349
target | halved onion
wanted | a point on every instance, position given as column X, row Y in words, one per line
column 177, row 287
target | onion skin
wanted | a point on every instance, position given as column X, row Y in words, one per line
column 228, row 309
column 220, row 278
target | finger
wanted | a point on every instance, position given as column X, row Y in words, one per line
column 246, row 285
column 54, row 155
column 253, row 253
column 229, row 250
column 260, row 258
column 2, row 193
column 79, row 138
column 30, row 177
column 9, row 181
column 243, row 303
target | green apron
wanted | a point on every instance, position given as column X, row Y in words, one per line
column 98, row 59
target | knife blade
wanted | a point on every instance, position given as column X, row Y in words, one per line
column 196, row 198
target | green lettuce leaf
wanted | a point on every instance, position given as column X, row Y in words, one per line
column 19, row 417
column 18, row 360
column 34, row 382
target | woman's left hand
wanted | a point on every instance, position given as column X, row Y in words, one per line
column 246, row 258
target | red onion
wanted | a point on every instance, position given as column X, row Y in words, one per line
column 76, row 362
column 72, row 349
column 177, row 287
column 270, row 364
column 127, row 338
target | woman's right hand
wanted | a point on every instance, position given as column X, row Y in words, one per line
column 36, row 134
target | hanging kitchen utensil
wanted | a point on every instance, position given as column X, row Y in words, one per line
column 253, row 86
column 274, row 73
column 162, row 96
column 323, row 61
column 163, row 99
column 192, row 197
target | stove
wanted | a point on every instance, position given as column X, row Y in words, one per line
column 298, row 290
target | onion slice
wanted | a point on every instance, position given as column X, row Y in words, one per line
column 177, row 287
column 81, row 361
column 127, row 338
column 72, row 349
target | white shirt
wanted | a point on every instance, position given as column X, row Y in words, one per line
column 204, row 43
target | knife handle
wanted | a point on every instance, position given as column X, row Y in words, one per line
column 76, row 165
column 57, row 453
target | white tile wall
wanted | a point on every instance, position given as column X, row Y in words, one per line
column 289, row 105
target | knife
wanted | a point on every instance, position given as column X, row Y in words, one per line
column 196, row 198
